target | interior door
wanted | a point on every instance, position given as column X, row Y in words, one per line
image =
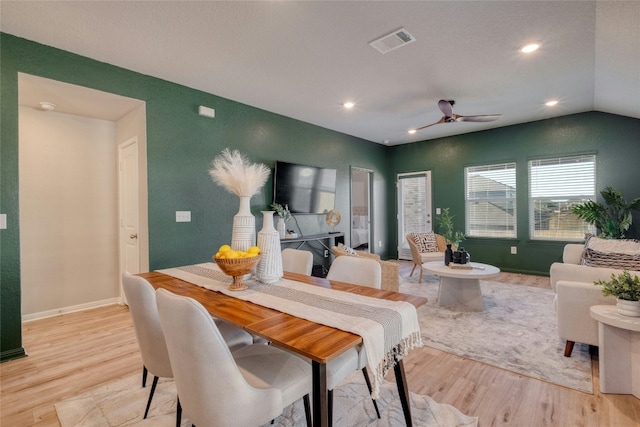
column 361, row 209
column 128, row 174
column 414, row 208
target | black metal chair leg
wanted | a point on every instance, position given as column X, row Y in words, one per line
column 144, row 376
column 330, row 408
column 368, row 381
column 153, row 388
column 307, row 409
column 178, row 413
column 403, row 391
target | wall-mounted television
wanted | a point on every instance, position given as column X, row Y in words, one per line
column 305, row 189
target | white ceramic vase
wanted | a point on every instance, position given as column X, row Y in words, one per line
column 628, row 308
column 243, row 234
column 269, row 269
column 281, row 227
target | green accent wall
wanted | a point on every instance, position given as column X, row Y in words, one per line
column 615, row 140
column 181, row 145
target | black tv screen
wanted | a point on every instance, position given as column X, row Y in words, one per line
column 305, row 189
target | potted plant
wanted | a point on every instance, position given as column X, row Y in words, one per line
column 614, row 219
column 626, row 289
column 446, row 228
column 284, row 214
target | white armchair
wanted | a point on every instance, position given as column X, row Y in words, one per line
column 575, row 293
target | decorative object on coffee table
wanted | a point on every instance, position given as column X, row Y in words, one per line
column 233, row 171
column 626, row 289
column 446, row 229
column 269, row 269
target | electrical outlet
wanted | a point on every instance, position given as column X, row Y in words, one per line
column 438, row 211
column 514, row 250
column 183, row 216
column 326, row 253
column 379, row 243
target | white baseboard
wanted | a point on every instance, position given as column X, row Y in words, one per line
column 71, row 309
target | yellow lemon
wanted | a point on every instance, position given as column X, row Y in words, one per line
column 224, row 248
column 231, row 254
column 219, row 255
column 254, row 250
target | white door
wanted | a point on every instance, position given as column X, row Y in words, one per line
column 414, row 208
column 128, row 177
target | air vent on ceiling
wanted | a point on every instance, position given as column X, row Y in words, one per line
column 392, row 41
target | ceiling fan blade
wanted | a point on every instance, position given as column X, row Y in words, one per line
column 442, row 120
column 446, row 108
column 481, row 118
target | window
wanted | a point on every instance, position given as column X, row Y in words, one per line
column 555, row 185
column 490, row 197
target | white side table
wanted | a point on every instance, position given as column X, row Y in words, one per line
column 461, row 286
column 619, row 352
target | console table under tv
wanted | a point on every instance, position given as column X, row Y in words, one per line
column 332, row 238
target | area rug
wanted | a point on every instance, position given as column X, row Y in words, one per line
column 122, row 403
column 517, row 331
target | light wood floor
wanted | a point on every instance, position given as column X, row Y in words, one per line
column 75, row 352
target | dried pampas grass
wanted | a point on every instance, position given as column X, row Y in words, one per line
column 237, row 174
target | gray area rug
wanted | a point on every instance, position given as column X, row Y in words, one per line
column 122, row 403
column 517, row 331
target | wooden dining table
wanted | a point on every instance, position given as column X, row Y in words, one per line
column 315, row 341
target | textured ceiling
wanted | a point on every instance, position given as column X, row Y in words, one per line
column 303, row 59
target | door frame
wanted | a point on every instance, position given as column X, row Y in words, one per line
column 403, row 247
column 369, row 195
column 122, row 238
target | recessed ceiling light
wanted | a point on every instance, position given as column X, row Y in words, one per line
column 530, row 48
column 551, row 103
column 412, row 131
column 47, row 106
column 349, row 104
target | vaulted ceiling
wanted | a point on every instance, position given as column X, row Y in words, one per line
column 304, row 59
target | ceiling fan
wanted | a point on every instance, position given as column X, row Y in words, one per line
column 447, row 109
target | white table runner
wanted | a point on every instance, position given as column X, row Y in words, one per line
column 389, row 329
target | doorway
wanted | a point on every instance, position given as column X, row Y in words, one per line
column 414, row 208
column 69, row 209
column 361, row 208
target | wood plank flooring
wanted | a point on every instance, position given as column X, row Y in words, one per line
column 71, row 353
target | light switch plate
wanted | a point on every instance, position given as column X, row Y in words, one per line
column 438, row 211
column 183, row 216
column 3, row 221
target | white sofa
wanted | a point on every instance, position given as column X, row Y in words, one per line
column 575, row 294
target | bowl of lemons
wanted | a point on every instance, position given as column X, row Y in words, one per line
column 237, row 264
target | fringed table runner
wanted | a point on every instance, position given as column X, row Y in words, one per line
column 389, row 329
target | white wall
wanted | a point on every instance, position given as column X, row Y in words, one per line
column 68, row 210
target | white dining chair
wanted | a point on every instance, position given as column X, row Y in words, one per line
column 356, row 270
column 297, row 261
column 363, row 272
column 250, row 387
column 141, row 298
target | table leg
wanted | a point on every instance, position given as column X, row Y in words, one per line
column 320, row 401
column 403, row 391
column 460, row 291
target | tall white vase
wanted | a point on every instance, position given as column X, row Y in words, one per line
column 269, row 269
column 280, row 226
column 243, row 234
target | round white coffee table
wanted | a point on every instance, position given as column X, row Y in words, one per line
column 458, row 286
